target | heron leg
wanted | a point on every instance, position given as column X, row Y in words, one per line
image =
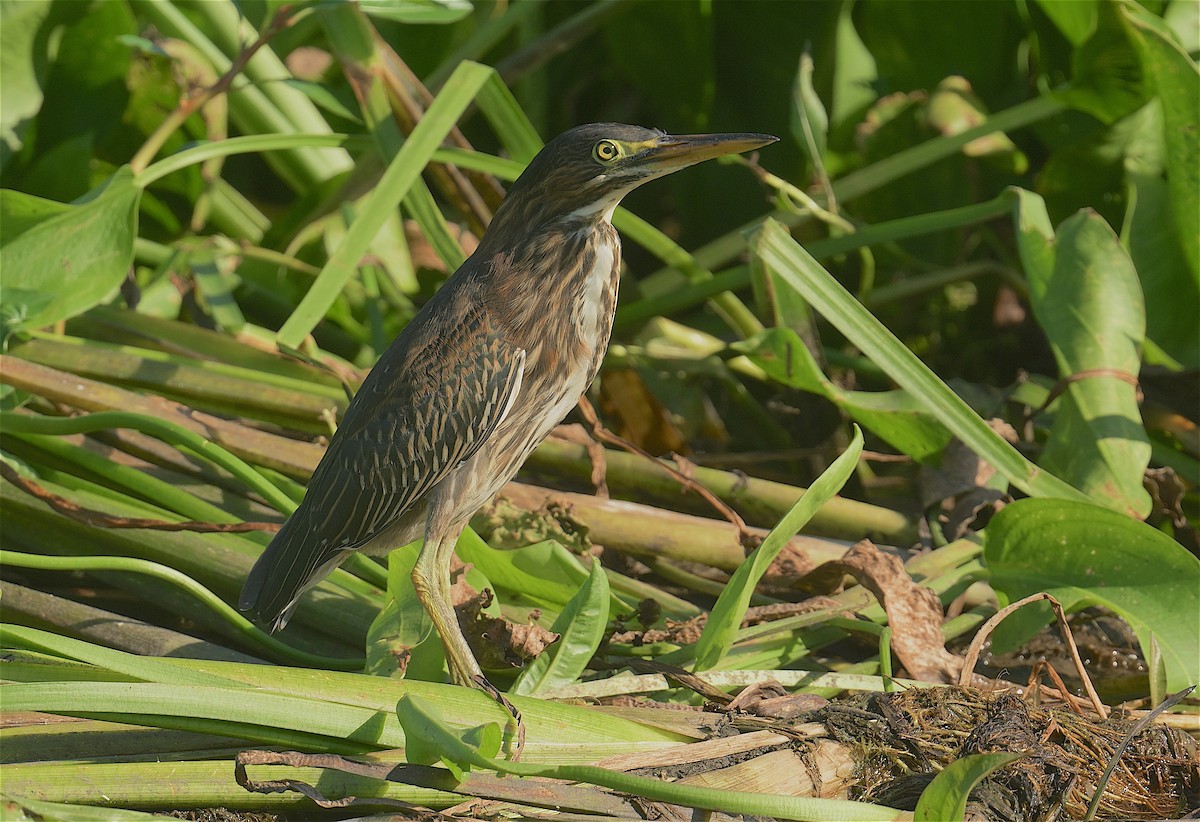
column 431, row 580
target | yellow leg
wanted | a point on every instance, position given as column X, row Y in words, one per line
column 431, row 579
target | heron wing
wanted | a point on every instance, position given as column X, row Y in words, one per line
column 431, row 401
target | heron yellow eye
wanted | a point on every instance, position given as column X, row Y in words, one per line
column 606, row 151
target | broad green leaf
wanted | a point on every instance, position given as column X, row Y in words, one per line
column 545, row 573
column 946, row 796
column 1173, row 75
column 1076, row 19
column 1087, row 298
column 402, row 623
column 1088, row 555
column 580, row 626
column 1149, row 232
column 1106, row 79
column 20, row 212
column 72, row 260
column 797, row 267
column 726, row 616
column 894, row 416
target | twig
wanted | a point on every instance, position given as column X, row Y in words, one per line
column 746, row 538
column 1063, row 384
column 972, row 655
column 189, row 105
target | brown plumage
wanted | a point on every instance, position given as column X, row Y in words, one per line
column 480, row 376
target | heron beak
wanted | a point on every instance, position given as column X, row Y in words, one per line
column 675, row 151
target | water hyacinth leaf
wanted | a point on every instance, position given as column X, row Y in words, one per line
column 1087, row 298
column 24, row 68
column 946, row 796
column 1086, row 555
column 1106, row 72
column 1173, row 75
column 71, row 260
column 1076, row 19
column 1149, row 232
column 726, row 617
column 20, row 212
column 580, row 626
column 402, row 623
column 895, row 416
column 544, row 573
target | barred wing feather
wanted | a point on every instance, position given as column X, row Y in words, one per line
column 427, row 406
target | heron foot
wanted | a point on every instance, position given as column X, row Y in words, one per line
column 516, row 727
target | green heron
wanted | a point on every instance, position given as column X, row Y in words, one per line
column 480, row 376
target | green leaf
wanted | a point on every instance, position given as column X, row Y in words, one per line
column 69, row 261
column 23, row 66
column 797, row 267
column 62, row 812
column 946, row 796
column 20, row 212
column 402, row 623
column 545, row 573
column 727, row 614
column 1149, row 231
column 1174, row 77
column 895, row 416
column 162, row 671
column 1087, row 555
column 424, row 12
column 428, row 741
column 1106, row 79
column 1076, row 19
column 1087, row 298
column 322, row 97
column 810, row 123
column 854, row 72
column 580, row 626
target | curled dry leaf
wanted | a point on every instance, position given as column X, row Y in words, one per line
column 914, row 612
column 496, row 642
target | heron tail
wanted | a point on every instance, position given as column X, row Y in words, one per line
column 288, row 567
